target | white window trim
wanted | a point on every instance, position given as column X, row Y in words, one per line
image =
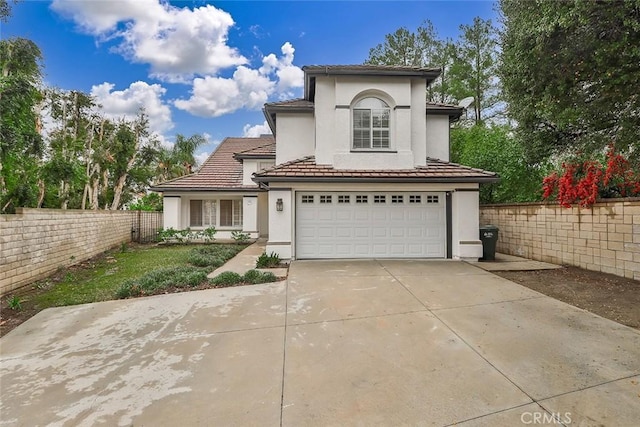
column 389, row 129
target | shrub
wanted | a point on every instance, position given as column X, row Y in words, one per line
column 167, row 234
column 255, row 277
column 208, row 234
column 163, row 278
column 240, row 237
column 227, row 278
column 268, row 261
column 212, row 255
column 14, row 303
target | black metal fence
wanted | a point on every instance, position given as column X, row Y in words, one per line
column 145, row 226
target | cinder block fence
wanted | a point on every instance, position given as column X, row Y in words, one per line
column 605, row 237
column 34, row 243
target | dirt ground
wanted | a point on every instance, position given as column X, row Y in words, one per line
column 606, row 295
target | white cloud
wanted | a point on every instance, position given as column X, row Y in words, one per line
column 247, row 88
column 215, row 96
column 249, row 131
column 188, row 46
column 126, row 103
column 178, row 43
column 201, row 157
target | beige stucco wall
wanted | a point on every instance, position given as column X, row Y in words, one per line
column 34, row 243
column 603, row 238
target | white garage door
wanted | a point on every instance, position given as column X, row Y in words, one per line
column 370, row 225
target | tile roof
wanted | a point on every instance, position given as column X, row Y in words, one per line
column 261, row 151
column 306, row 169
column 367, row 68
column 221, row 171
column 297, row 102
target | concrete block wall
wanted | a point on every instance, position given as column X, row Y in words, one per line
column 605, row 237
column 34, row 243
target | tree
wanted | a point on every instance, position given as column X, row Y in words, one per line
column 21, row 146
column 420, row 49
column 474, row 69
column 178, row 160
column 70, row 156
column 571, row 75
column 495, row 149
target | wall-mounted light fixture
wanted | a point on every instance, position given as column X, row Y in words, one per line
column 279, row 205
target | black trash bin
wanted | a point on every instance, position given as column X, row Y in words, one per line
column 489, row 238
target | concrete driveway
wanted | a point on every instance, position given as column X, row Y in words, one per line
column 340, row 343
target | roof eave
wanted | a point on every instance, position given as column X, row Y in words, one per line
column 208, row 189
column 394, row 180
column 239, row 156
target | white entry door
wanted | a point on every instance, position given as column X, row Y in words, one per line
column 370, row 225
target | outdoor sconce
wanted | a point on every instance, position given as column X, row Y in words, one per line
column 279, row 205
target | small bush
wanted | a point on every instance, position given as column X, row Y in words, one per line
column 164, row 278
column 227, row 278
column 14, row 303
column 240, row 237
column 268, row 261
column 255, row 277
column 208, row 234
column 167, row 234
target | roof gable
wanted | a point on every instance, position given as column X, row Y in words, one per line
column 222, row 171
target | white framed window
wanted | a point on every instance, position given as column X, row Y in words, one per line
column 379, row 199
column 325, row 199
column 397, row 199
column 362, row 199
column 415, row 198
column 216, row 213
column 371, row 117
column 307, row 198
column 344, row 199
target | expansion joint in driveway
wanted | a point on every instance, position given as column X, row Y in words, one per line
column 454, row 332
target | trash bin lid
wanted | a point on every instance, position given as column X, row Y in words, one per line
column 489, row 228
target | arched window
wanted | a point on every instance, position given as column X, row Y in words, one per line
column 371, row 124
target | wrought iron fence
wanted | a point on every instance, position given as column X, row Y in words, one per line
column 145, row 226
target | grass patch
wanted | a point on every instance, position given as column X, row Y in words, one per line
column 227, row 278
column 255, row 277
column 162, row 280
column 101, row 278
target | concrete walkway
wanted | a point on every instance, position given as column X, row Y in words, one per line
column 246, row 260
column 338, row 343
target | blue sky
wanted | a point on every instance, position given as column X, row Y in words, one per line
column 207, row 67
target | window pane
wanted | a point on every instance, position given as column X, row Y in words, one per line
column 237, row 213
column 371, row 103
column 209, row 213
column 361, row 138
column 195, row 213
column 226, row 213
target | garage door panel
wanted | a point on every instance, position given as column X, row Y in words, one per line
column 361, row 232
column 343, row 232
column 343, row 215
column 325, row 215
column 360, row 215
column 398, row 226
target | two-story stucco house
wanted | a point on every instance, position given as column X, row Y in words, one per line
column 358, row 168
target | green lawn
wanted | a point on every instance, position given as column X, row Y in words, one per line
column 102, row 277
